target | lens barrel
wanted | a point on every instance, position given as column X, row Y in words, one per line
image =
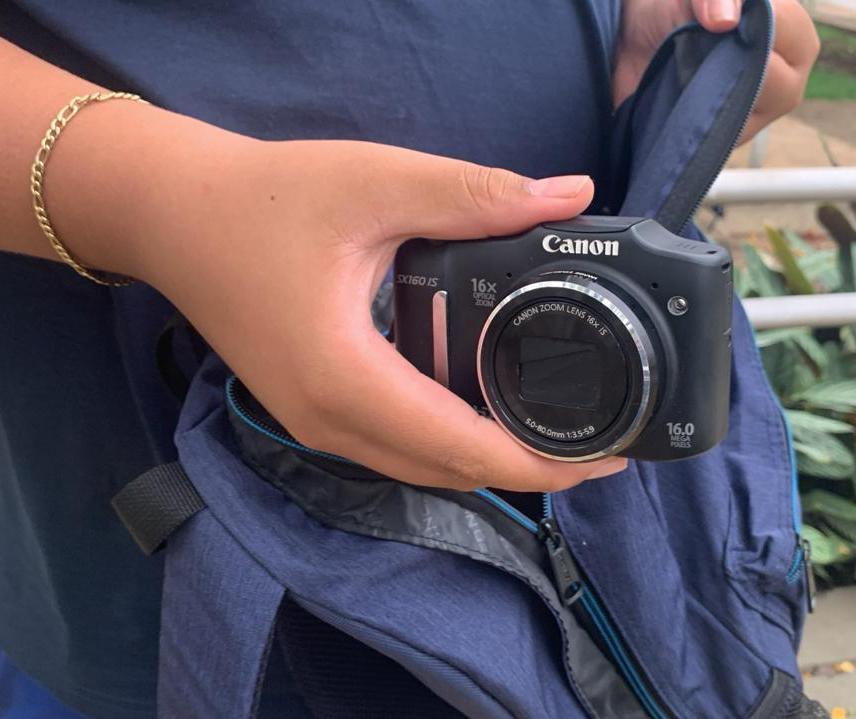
column 567, row 368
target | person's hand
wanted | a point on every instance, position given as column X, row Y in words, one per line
column 646, row 23
column 274, row 252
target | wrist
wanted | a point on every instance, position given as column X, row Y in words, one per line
column 122, row 179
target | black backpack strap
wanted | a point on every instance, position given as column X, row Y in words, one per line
column 157, row 503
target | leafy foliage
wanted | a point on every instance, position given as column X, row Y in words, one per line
column 834, row 75
column 814, row 373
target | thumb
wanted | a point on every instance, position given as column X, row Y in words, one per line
column 717, row 15
column 448, row 199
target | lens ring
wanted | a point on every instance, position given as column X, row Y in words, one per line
column 610, row 305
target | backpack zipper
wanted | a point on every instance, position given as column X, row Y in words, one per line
column 269, row 429
column 572, row 589
column 712, row 153
column 577, row 596
column 676, row 219
column 273, row 431
column 726, row 154
column 801, row 565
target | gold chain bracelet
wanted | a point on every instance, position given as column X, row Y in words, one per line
column 37, row 176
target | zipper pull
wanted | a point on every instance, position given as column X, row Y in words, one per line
column 811, row 585
column 566, row 574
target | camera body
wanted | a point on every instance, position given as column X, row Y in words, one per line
column 584, row 339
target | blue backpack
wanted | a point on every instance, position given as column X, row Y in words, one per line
column 301, row 584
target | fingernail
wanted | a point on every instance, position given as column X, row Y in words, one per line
column 723, row 10
column 562, row 187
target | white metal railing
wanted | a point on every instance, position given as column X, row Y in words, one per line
column 804, row 184
column 831, row 310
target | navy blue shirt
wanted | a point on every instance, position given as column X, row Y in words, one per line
column 520, row 84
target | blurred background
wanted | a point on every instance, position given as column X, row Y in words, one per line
column 786, row 207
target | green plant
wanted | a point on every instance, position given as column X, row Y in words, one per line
column 814, row 373
column 834, row 75
column 830, row 84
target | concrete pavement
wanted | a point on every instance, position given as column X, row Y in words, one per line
column 828, row 652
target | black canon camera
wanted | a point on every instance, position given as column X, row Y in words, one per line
column 587, row 338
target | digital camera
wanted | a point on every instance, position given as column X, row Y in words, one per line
column 583, row 339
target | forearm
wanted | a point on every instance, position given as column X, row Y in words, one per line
column 117, row 170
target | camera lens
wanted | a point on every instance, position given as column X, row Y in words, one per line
column 567, row 368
